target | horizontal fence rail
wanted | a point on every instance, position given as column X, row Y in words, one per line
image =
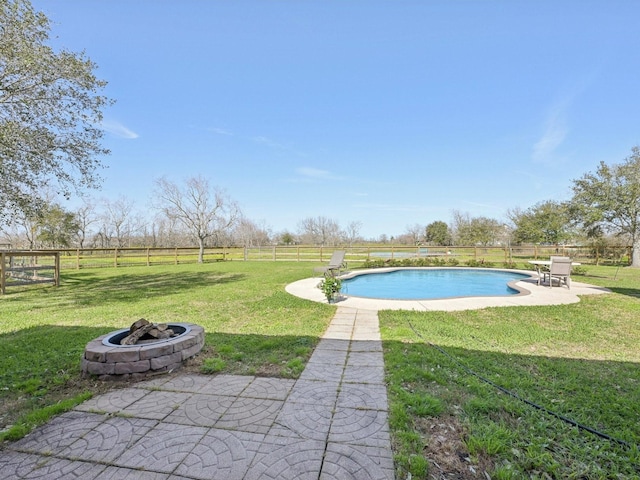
column 514, row 256
column 18, row 267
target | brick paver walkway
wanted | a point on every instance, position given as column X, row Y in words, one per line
column 331, row 423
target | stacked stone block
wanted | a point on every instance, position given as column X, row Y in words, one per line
column 123, row 362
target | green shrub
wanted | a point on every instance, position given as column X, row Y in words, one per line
column 579, row 270
column 481, row 263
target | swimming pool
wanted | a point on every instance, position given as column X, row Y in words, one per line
column 432, row 283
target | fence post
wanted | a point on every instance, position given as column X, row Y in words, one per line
column 56, row 271
column 3, row 273
column 176, row 255
column 115, row 257
column 148, row 263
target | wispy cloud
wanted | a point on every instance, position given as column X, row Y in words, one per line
column 268, row 142
column 535, row 180
column 389, row 207
column 220, row 131
column 271, row 143
column 555, row 132
column 556, row 125
column 476, row 204
column 257, row 139
column 311, row 174
column 119, row 130
column 314, row 173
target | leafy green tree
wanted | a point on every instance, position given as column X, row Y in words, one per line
column 546, row 222
column 477, row 230
column 56, row 227
column 51, row 227
column 609, row 200
column 50, row 113
column 437, row 233
column 287, row 238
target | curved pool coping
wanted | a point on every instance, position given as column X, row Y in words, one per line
column 531, row 294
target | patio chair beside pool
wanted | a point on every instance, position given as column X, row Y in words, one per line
column 559, row 269
column 335, row 266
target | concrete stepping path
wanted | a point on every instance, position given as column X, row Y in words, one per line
column 331, row 423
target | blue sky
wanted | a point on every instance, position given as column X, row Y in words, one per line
column 390, row 113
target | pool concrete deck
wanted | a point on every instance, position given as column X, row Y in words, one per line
column 533, row 295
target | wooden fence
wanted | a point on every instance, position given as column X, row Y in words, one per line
column 78, row 258
column 28, row 268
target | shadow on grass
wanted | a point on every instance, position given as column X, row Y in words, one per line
column 261, row 355
column 88, row 288
column 38, row 358
column 629, row 292
column 601, row 395
column 41, row 365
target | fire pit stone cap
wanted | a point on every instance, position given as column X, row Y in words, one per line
column 106, row 340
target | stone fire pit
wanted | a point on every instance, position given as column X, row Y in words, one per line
column 107, row 359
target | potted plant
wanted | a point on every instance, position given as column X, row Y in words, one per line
column 330, row 286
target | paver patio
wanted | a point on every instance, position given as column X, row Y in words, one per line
column 330, row 423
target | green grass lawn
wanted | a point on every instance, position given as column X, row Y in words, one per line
column 581, row 361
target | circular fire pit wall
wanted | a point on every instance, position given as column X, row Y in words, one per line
column 106, row 358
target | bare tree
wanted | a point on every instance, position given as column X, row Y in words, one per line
column 320, row 230
column 352, row 232
column 415, row 233
column 203, row 211
column 21, row 231
column 86, row 216
column 250, row 234
column 119, row 220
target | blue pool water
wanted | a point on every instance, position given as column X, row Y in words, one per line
column 428, row 284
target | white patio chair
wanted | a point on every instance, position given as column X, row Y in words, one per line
column 559, row 269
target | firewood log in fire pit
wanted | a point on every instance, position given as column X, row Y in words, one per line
column 144, row 328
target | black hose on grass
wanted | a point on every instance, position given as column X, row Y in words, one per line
column 518, row 397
